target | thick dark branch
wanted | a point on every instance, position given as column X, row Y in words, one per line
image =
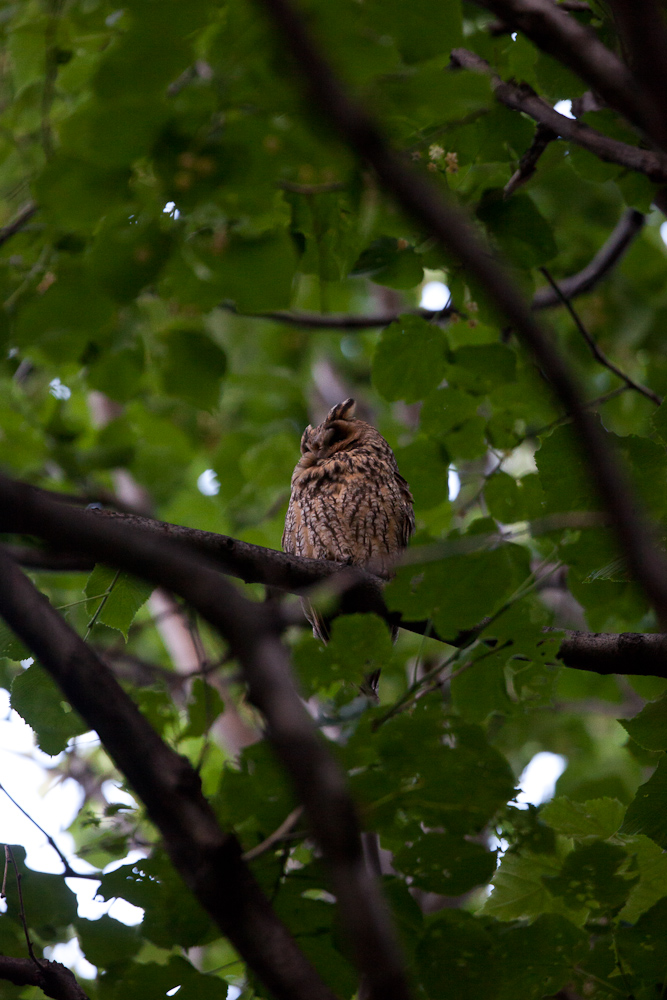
column 52, row 978
column 574, row 6
column 252, row 633
column 631, row 653
column 446, row 222
column 360, row 591
column 579, row 48
column 18, row 223
column 641, row 30
column 629, row 226
column 206, row 858
column 521, row 97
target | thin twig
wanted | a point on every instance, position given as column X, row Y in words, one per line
column 18, row 222
column 288, row 824
column 9, row 854
column 597, row 353
column 68, row 872
column 543, row 138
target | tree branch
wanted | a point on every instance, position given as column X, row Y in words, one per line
column 543, row 137
column 206, row 858
column 641, row 30
column 627, row 228
column 578, row 48
column 620, row 239
column 252, row 633
column 293, row 574
column 631, row 653
column 17, row 223
column 521, row 97
column 52, row 978
column 339, row 321
column 416, row 196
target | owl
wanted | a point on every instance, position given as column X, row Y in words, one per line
column 348, row 502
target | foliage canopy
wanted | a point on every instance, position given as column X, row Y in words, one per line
column 164, row 181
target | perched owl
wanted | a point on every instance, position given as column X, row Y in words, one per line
column 348, row 503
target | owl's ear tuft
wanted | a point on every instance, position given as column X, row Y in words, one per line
column 305, row 439
column 342, row 411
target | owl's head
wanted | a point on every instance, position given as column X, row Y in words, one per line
column 339, row 431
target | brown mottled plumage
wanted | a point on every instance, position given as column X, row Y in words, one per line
column 349, row 503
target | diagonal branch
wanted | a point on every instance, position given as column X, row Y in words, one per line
column 626, row 229
column 206, row 858
column 543, row 137
column 252, row 632
column 450, row 226
column 521, row 97
column 578, row 48
column 594, row 348
column 18, row 222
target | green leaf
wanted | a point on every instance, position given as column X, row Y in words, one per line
column 538, row 959
column 597, row 818
column 448, row 958
column 448, row 865
column 425, row 33
column 518, row 228
column 10, row 645
column 216, row 269
column 519, row 889
column 425, row 465
column 40, row 702
column 483, row 581
column 409, row 361
column 48, row 903
column 107, row 941
column 479, row 369
column 593, row 876
column 652, row 885
column 641, row 949
column 74, row 194
column 120, row 594
column 649, row 727
column 193, row 367
column 389, row 262
column 646, row 811
column 204, row 708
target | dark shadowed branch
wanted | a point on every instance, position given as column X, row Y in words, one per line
column 641, row 30
column 52, row 978
column 448, row 224
column 521, row 97
column 206, row 857
column 558, row 34
column 543, row 137
column 359, row 591
column 252, row 631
